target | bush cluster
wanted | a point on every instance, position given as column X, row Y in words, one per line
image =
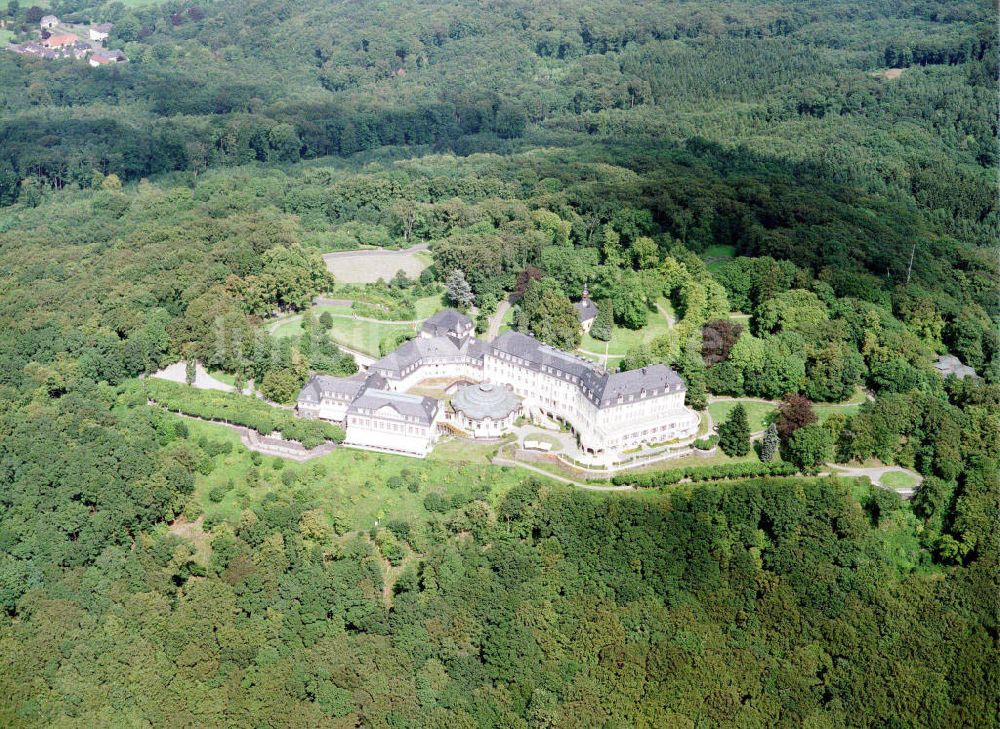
column 651, row 479
column 242, row 410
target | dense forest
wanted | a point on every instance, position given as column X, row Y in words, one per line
column 808, row 188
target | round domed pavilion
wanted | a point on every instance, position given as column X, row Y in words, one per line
column 485, row 410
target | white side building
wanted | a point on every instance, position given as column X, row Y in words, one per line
column 394, row 422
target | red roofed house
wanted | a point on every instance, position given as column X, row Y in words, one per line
column 103, row 58
column 58, row 40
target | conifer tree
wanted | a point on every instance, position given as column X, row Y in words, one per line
column 734, row 434
column 459, row 290
column 602, row 327
column 769, row 446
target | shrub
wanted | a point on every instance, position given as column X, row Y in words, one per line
column 228, row 407
column 706, row 444
column 436, row 502
column 652, row 479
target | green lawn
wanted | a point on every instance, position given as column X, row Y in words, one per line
column 365, row 336
column 715, row 256
column 6, row 36
column 898, row 480
column 756, row 412
column 429, row 305
column 507, row 321
column 223, row 377
column 622, row 340
column 825, row 411
column 350, row 484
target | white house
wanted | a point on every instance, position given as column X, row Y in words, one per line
column 395, row 422
column 586, row 311
column 48, row 22
column 100, row 31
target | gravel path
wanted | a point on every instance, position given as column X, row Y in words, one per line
column 203, row 381
column 501, row 461
column 875, row 474
column 494, row 329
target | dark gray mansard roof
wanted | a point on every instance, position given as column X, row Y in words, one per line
column 349, row 387
column 417, row 407
column 415, row 350
column 447, row 321
column 601, row 387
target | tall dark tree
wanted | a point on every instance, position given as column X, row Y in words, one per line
column 734, row 433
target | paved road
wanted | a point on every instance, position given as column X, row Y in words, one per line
column 501, row 461
column 494, row 329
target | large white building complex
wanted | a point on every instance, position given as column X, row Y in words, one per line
column 610, row 412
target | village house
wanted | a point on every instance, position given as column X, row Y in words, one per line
column 104, row 58
column 100, row 31
column 48, row 22
column 58, row 40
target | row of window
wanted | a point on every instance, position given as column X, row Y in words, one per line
column 387, row 425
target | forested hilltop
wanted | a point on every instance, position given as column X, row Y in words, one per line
column 793, row 204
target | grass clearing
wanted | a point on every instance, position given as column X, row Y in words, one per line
column 757, row 412
column 716, row 256
column 365, row 336
column 371, row 265
column 898, row 480
column 349, row 485
column 622, row 340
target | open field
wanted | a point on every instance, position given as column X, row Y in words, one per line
column 369, row 266
column 715, row 256
column 358, row 334
column 756, row 412
column 365, row 336
column 348, row 485
column 898, row 480
column 622, row 340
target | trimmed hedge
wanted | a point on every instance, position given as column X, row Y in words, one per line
column 229, row 407
column 652, row 479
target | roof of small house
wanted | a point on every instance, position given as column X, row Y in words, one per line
column 416, row 350
column 421, row 408
column 61, row 39
column 112, row 56
column 348, row 388
column 586, row 310
column 485, row 400
column 445, row 322
column 46, row 19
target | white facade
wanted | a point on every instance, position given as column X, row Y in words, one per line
column 386, row 429
column 609, row 412
column 652, row 416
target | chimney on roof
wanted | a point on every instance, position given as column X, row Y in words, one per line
column 643, row 370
